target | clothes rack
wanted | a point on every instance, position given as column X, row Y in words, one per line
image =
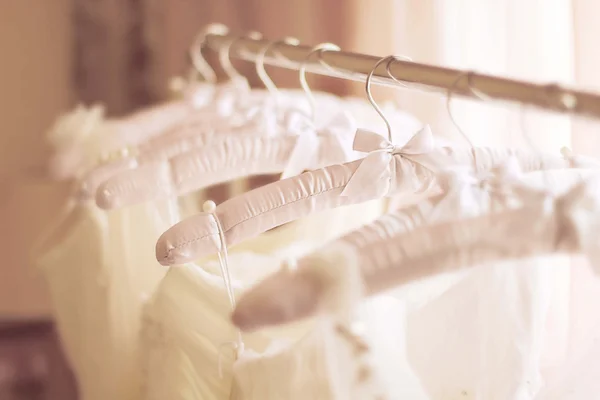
column 470, row 84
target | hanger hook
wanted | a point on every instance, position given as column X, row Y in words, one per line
column 195, row 53
column 387, row 59
column 225, row 54
column 320, row 48
column 485, row 98
column 260, row 62
column 473, row 90
column 225, row 60
column 389, row 64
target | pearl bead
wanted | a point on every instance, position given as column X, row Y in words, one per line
column 569, row 101
column 566, row 152
column 289, row 264
column 209, row 206
column 358, row 328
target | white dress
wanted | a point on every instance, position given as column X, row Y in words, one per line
column 501, row 331
column 100, row 269
column 323, row 364
column 187, row 330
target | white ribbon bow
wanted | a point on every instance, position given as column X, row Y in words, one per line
column 249, row 111
column 501, row 176
column 503, row 181
column 231, row 97
column 259, row 115
column 376, row 166
column 307, row 144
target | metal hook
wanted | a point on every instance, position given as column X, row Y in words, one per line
column 260, row 62
column 338, row 72
column 389, row 59
column 529, row 141
column 335, row 71
column 477, row 93
column 198, row 61
column 225, row 60
column 388, row 65
column 303, row 82
column 225, row 55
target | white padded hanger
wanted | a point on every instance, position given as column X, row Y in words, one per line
column 405, row 245
column 82, row 138
column 226, row 158
column 275, row 204
column 189, row 136
column 229, row 156
column 77, row 142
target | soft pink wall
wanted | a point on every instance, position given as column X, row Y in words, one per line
column 35, row 86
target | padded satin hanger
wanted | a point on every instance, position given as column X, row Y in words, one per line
column 446, row 233
column 387, row 170
column 302, row 145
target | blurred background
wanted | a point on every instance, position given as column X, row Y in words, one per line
column 122, row 53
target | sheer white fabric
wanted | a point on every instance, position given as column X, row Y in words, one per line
column 100, row 270
column 322, row 365
column 509, row 330
column 182, row 352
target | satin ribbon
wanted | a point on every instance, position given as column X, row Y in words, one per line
column 377, row 165
column 258, row 115
column 247, row 110
column 238, row 345
column 268, row 118
column 498, row 177
column 306, row 149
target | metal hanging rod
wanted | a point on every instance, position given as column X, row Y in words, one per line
column 354, row 66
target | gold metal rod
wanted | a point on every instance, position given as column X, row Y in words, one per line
column 354, row 66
